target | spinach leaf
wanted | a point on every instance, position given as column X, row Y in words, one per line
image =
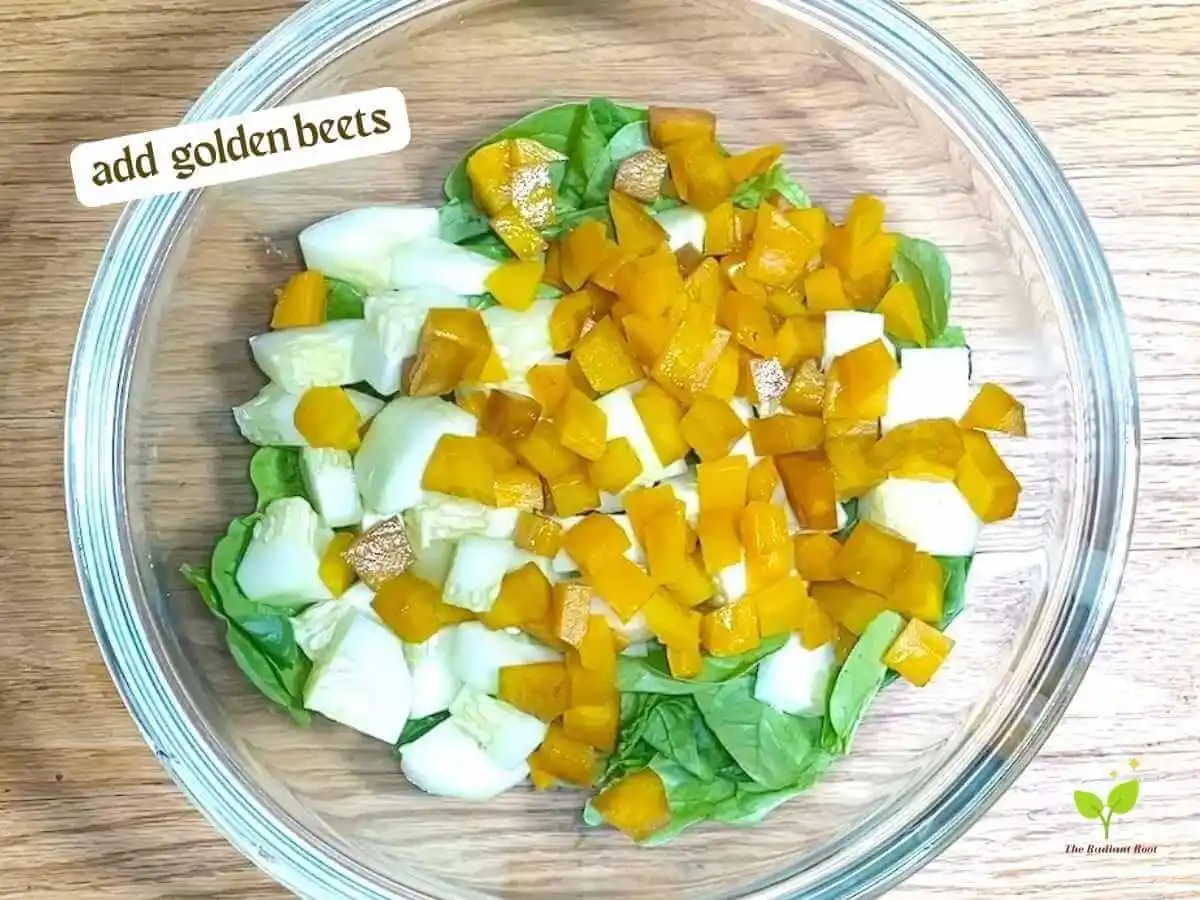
column 675, row 728
column 282, row 685
column 955, row 570
column 751, row 193
column 922, row 266
column 611, row 117
column 342, row 300
column 200, row 580
column 751, row 803
column 489, row 245
column 462, row 220
column 772, row 747
column 275, row 474
column 691, row 799
column 632, row 753
column 571, row 218
column 631, row 139
column 859, row 681
column 651, row 673
column 588, row 144
column 418, row 728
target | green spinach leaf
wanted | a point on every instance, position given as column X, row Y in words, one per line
column 282, row 685
column 859, row 681
column 343, row 300
column 955, row 569
column 751, row 193
column 675, row 728
column 462, row 220
column 571, row 218
column 922, row 266
column 611, row 117
column 200, row 580
column 489, row 245
column 275, row 473
column 588, row 144
column 651, row 673
column 631, row 139
column 751, row 803
column 418, row 728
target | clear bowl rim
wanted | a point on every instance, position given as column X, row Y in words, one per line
column 98, row 392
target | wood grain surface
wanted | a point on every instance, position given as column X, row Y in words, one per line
column 85, row 809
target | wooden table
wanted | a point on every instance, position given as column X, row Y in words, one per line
column 85, row 809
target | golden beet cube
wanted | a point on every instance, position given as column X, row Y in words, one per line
column 644, row 504
column 466, row 467
column 800, row 338
column 572, row 493
column 781, row 606
column 637, row 232
column 816, row 556
column 768, row 546
column 918, row 652
column 731, row 630
column 758, row 161
column 584, row 248
column 539, row 689
column 666, row 544
column 919, row 590
column 824, row 291
column 851, row 428
column 671, row 124
column 543, row 452
column 762, row 481
column 570, row 609
column 780, row 252
column 806, row 393
column 572, row 316
column 605, row 359
column 650, row 284
column 699, row 173
column 817, row 629
column 508, row 416
column 490, row 172
column 808, row 481
column 567, row 759
column 622, row 585
column 598, row 652
column 985, row 481
column 711, row 428
column 694, row 586
column 723, row 382
column 901, row 315
column 595, row 540
column 549, row 384
column 873, row 559
column 929, row 449
column 722, row 483
column 647, row 336
column 587, row 687
column 637, row 805
column 617, row 468
column 515, row 284
column 813, row 222
column 673, row 625
column 685, row 662
column 454, row 347
column 873, row 258
column 518, row 488
column 518, row 234
column 661, row 414
column 749, row 321
column 857, row 384
column 720, row 538
column 778, row 435
column 850, row 606
column 724, row 232
column 538, row 535
column 995, row 409
column 326, row 417
column 705, row 284
column 301, row 302
column 864, row 219
column 687, row 363
column 594, row 725
column 784, row 304
column 581, row 425
column 413, row 608
column 853, row 472
column 335, row 572
column 524, row 597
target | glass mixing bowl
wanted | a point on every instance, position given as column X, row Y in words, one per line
column 867, row 99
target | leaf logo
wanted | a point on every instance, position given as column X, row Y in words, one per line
column 1121, row 800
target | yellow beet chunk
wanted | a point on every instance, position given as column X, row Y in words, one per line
column 637, row 232
column 524, row 597
column 816, row 556
column 673, row 625
column 722, row 484
column 587, row 687
column 748, row 320
column 711, row 428
column 647, row 336
column 759, row 161
column 570, row 609
column 326, row 417
column 817, row 629
column 670, row 124
column 508, row 416
column 808, row 481
column 901, row 315
column 549, row 384
column 824, row 291
column 873, row 559
column 782, row 434
column 553, row 274
column 661, row 415
column 928, row 449
column 301, row 302
column 806, row 393
column 781, row 607
column 919, row 591
column 985, row 481
column 762, row 481
column 726, row 230
column 572, row 493
column 605, row 359
column 852, row 428
column 524, row 240
column 598, row 652
column 584, row 248
column 644, row 504
column 857, row 384
column 871, row 261
column 699, row 173
column 918, row 652
column 813, row 222
column 723, row 382
column 720, row 541
column 779, row 252
column 617, row 468
column 850, row 606
column 730, row 630
column 637, row 805
column 782, row 304
column 705, row 284
column 800, row 338
column 581, row 425
column 518, row 488
column 539, row 689
column 538, row 535
column 573, row 314
column 454, row 347
column 694, row 586
column 335, row 572
column 493, row 370
column 666, row 544
column 735, row 269
column 768, row 546
column 686, row 366
column 853, row 472
column 594, row 725
column 685, row 662
column 995, row 409
column 564, row 758
column 595, row 540
column 864, row 219
column 608, row 273
column 543, row 452
column 515, row 284
column 473, row 401
column 413, row 608
column 622, row 585
column 650, row 284
column 490, row 172
column 843, row 642
column 466, row 467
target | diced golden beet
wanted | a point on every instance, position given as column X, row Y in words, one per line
column 808, row 481
column 699, row 173
column 666, row 544
column 572, row 493
column 552, row 275
column 539, row 778
column 918, row 652
column 508, row 416
column 673, row 625
column 637, row 232
column 622, row 585
column 650, row 284
column 873, row 257
column 734, row 268
column 817, row 629
column 564, row 758
column 326, row 417
column 711, row 428
column 759, row 161
column 725, row 232
column 490, row 172
column 720, row 540
column 985, row 481
column 781, row 606
column 901, row 315
column 641, row 175
column 598, row 652
column 731, row 630
column 643, row 504
column 816, row 555
column 595, row 726
column 518, row 488
column 570, row 609
column 617, row 468
column 851, row 428
column 823, row 290
column 572, row 315
column 608, row 273
column 539, row 689
column 768, row 546
column 413, row 608
column 694, row 587
column 762, row 481
column 647, row 336
column 722, row 483
column 587, row 687
column 853, row 472
column 813, row 222
column 866, row 293
column 637, row 805
column 605, row 359
column 779, row 252
column 335, row 572
column 786, row 434
column 857, row 384
column 593, row 541
column 454, row 347
column 465, row 467
column 748, row 320
column 929, row 449
column 549, row 384
column 843, row 642
column 783, row 304
column 542, row 630
column 670, row 124
column 864, row 219
column 995, row 409
column 806, row 394
column 578, row 381
column 706, row 284
column 493, row 370
column 661, row 414
column 524, row 597
column 522, row 238
column 473, row 401
column 723, row 382
column 685, row 367
column 539, row 535
column 515, row 284
column 800, row 338
column 543, row 452
column 584, row 248
column 581, row 425
column 873, row 559
column 919, row 591
column 685, row 662
column 850, row 606
column 301, row 302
